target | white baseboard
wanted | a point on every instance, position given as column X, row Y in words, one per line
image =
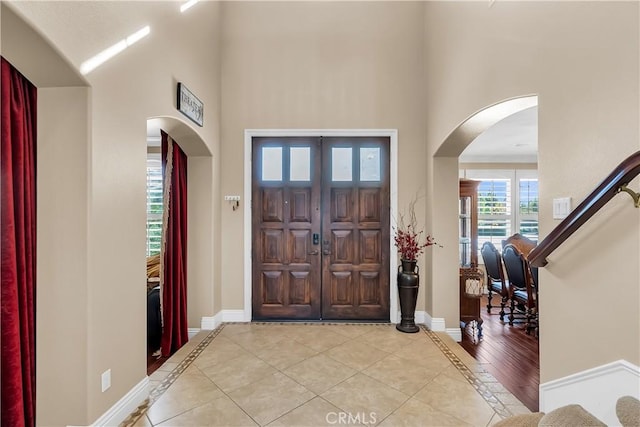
column 597, row 390
column 420, row 317
column 208, row 323
column 455, row 333
column 193, row 332
column 233, row 316
column 125, row 406
column 436, row 324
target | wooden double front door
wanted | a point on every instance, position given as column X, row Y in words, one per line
column 320, row 227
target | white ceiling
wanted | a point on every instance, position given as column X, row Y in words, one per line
column 512, row 140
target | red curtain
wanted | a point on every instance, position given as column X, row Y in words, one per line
column 174, row 292
column 18, row 224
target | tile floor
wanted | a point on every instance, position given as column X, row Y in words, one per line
column 290, row 374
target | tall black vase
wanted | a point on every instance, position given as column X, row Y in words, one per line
column 408, row 283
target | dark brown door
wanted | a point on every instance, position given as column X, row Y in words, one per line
column 320, row 219
column 355, row 228
column 285, row 217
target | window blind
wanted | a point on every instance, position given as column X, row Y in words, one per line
column 494, row 210
column 154, row 204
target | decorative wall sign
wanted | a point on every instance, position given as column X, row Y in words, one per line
column 190, row 105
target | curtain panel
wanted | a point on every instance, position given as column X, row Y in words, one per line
column 18, row 225
column 174, row 247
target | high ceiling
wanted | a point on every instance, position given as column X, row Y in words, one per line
column 511, row 140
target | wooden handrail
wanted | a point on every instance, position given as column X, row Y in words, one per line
column 612, row 185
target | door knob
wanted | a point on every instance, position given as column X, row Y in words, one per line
column 326, row 252
column 314, row 252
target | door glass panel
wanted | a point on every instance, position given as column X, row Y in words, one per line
column 300, row 164
column 370, row 164
column 341, row 164
column 272, row 163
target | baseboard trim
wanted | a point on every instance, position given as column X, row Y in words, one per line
column 233, row 316
column 455, row 333
column 596, row 389
column 420, row 317
column 125, row 406
column 208, row 323
column 436, row 324
column 193, row 332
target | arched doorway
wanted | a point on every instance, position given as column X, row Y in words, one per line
column 446, row 166
column 200, row 208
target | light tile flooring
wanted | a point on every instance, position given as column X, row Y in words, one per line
column 291, row 374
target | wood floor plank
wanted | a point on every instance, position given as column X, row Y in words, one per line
column 511, row 355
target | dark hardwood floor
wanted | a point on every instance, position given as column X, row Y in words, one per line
column 512, row 355
column 154, row 362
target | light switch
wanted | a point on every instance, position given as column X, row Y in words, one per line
column 561, row 207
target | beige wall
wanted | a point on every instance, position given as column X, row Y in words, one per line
column 62, row 291
column 325, row 65
column 200, row 251
column 582, row 61
column 137, row 84
column 421, row 68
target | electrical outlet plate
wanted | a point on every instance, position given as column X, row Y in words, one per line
column 106, row 380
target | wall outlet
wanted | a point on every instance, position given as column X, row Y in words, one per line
column 106, row 380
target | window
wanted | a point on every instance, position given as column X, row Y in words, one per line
column 494, row 210
column 272, row 163
column 528, row 212
column 341, row 164
column 154, row 204
column 507, row 204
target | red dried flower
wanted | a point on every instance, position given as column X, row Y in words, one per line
column 408, row 240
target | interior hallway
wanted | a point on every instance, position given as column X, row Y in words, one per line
column 293, row 374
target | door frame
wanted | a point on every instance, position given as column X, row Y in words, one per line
column 392, row 134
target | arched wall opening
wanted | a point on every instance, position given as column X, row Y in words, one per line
column 200, row 216
column 444, row 300
column 62, row 197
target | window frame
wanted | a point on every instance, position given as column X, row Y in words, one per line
column 154, row 162
column 515, row 217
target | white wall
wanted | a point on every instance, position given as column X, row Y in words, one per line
column 419, row 67
column 137, row 84
column 318, row 65
column 581, row 59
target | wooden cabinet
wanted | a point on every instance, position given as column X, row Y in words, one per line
column 468, row 222
column 469, row 274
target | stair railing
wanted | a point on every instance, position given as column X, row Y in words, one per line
column 613, row 184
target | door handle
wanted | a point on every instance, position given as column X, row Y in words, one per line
column 314, row 252
column 326, row 252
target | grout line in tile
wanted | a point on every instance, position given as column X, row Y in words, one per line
column 240, row 407
column 482, row 389
column 155, row 393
